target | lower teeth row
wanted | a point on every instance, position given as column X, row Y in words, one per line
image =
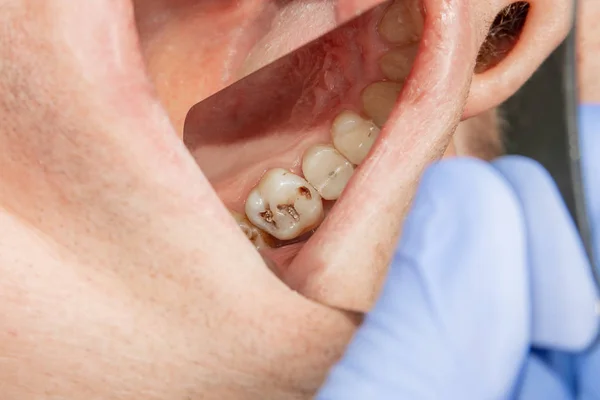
column 285, row 205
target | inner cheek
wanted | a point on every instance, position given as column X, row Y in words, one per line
column 194, row 50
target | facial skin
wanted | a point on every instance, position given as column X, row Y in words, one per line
column 123, row 274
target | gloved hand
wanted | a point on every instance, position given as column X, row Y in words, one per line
column 490, row 293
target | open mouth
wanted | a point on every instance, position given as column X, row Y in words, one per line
column 318, row 158
column 285, row 151
column 301, row 127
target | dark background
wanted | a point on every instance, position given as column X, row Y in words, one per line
column 535, row 118
column 531, row 111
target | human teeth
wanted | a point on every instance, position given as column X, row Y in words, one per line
column 326, row 170
column 353, row 136
column 402, row 22
column 258, row 238
column 284, row 205
column 379, row 99
column 397, row 63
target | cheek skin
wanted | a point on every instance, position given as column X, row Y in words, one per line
column 306, row 339
column 148, row 319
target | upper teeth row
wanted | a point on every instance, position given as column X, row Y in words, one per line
column 284, row 204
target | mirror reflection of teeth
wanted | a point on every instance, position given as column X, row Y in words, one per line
column 285, row 206
column 379, row 99
column 402, row 22
column 397, row 63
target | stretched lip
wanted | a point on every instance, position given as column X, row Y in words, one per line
column 332, row 267
column 345, row 262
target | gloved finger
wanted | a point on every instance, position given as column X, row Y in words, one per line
column 589, row 126
column 538, row 381
column 588, row 364
column 588, row 373
column 455, row 304
column 562, row 286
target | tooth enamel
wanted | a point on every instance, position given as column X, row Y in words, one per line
column 353, row 136
column 378, row 100
column 402, row 22
column 253, row 234
column 397, row 63
column 284, row 205
column 326, row 170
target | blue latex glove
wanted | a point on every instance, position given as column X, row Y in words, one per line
column 489, row 294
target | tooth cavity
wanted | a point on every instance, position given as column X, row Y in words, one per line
column 326, row 170
column 284, row 205
column 258, row 238
column 397, row 63
column 402, row 22
column 379, row 99
column 353, row 136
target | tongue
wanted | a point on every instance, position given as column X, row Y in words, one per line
column 344, row 263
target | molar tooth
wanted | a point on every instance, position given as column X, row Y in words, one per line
column 402, row 22
column 255, row 235
column 353, row 136
column 378, row 100
column 397, row 63
column 284, row 205
column 326, row 170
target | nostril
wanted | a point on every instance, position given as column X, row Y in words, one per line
column 502, row 36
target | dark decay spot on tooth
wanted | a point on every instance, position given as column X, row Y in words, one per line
column 268, row 217
column 305, row 192
column 290, row 209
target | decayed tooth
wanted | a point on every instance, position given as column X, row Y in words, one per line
column 353, row 136
column 379, row 99
column 284, row 205
column 258, row 238
column 402, row 22
column 326, row 170
column 397, row 63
